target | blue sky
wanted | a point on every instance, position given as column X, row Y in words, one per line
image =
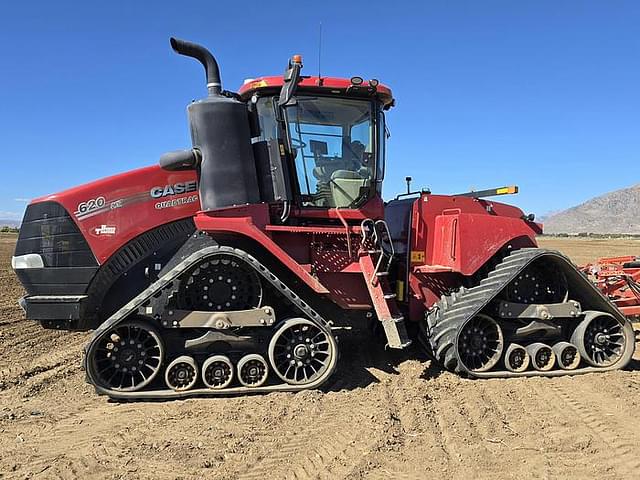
column 543, row 94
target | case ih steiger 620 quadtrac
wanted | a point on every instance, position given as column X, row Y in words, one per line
column 230, row 267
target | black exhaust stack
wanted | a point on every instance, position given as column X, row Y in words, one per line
column 204, row 56
column 222, row 153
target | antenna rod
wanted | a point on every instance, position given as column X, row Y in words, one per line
column 319, row 49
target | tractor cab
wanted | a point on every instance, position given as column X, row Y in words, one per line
column 324, row 136
column 305, row 145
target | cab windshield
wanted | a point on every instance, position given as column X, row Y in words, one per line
column 333, row 144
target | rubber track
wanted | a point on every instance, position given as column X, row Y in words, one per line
column 167, row 282
column 443, row 323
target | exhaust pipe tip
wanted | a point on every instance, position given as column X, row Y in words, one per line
column 205, row 57
column 517, row 359
column 568, row 355
column 542, row 356
column 174, row 44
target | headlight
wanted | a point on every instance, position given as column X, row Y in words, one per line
column 30, row 260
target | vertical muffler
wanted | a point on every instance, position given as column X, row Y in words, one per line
column 516, row 358
column 567, row 355
column 542, row 356
column 222, row 153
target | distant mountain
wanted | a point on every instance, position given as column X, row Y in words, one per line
column 9, row 222
column 614, row 212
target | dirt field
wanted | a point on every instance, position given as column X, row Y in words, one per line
column 383, row 416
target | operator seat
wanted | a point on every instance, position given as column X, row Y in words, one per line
column 345, row 187
column 339, row 179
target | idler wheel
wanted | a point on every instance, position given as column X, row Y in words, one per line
column 480, row 343
column 217, row 372
column 128, row 357
column 252, row 370
column 301, row 352
column 600, row 339
column 181, row 374
column 541, row 282
column 542, row 356
column 567, row 355
column 516, row 359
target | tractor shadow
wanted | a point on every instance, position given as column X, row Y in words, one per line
column 362, row 352
column 634, row 364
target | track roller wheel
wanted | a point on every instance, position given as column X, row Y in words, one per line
column 542, row 356
column 181, row 374
column 516, row 359
column 301, row 352
column 600, row 339
column 128, row 357
column 480, row 343
column 252, row 370
column 217, row 372
column 567, row 354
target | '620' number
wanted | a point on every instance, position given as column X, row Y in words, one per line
column 91, row 205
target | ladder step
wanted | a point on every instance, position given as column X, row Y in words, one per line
column 390, row 296
column 371, row 252
column 398, row 319
column 382, row 274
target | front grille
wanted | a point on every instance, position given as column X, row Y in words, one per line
column 49, row 230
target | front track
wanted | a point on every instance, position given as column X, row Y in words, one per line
column 289, row 347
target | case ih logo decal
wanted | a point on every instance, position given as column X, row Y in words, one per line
column 99, row 205
column 105, row 230
column 175, row 189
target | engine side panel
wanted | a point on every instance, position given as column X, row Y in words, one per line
column 452, row 239
column 112, row 211
column 460, row 234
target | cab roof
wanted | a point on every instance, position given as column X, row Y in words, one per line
column 326, row 85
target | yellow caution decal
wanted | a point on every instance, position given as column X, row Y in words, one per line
column 259, row 84
column 417, row 256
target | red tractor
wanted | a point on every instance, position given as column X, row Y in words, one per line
column 231, row 267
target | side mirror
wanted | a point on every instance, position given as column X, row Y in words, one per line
column 291, row 79
column 181, row 160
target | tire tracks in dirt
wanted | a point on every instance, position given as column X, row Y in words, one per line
column 34, row 371
column 334, row 442
column 63, row 445
column 622, row 440
column 458, row 428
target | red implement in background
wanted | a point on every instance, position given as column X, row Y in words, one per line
column 619, row 279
